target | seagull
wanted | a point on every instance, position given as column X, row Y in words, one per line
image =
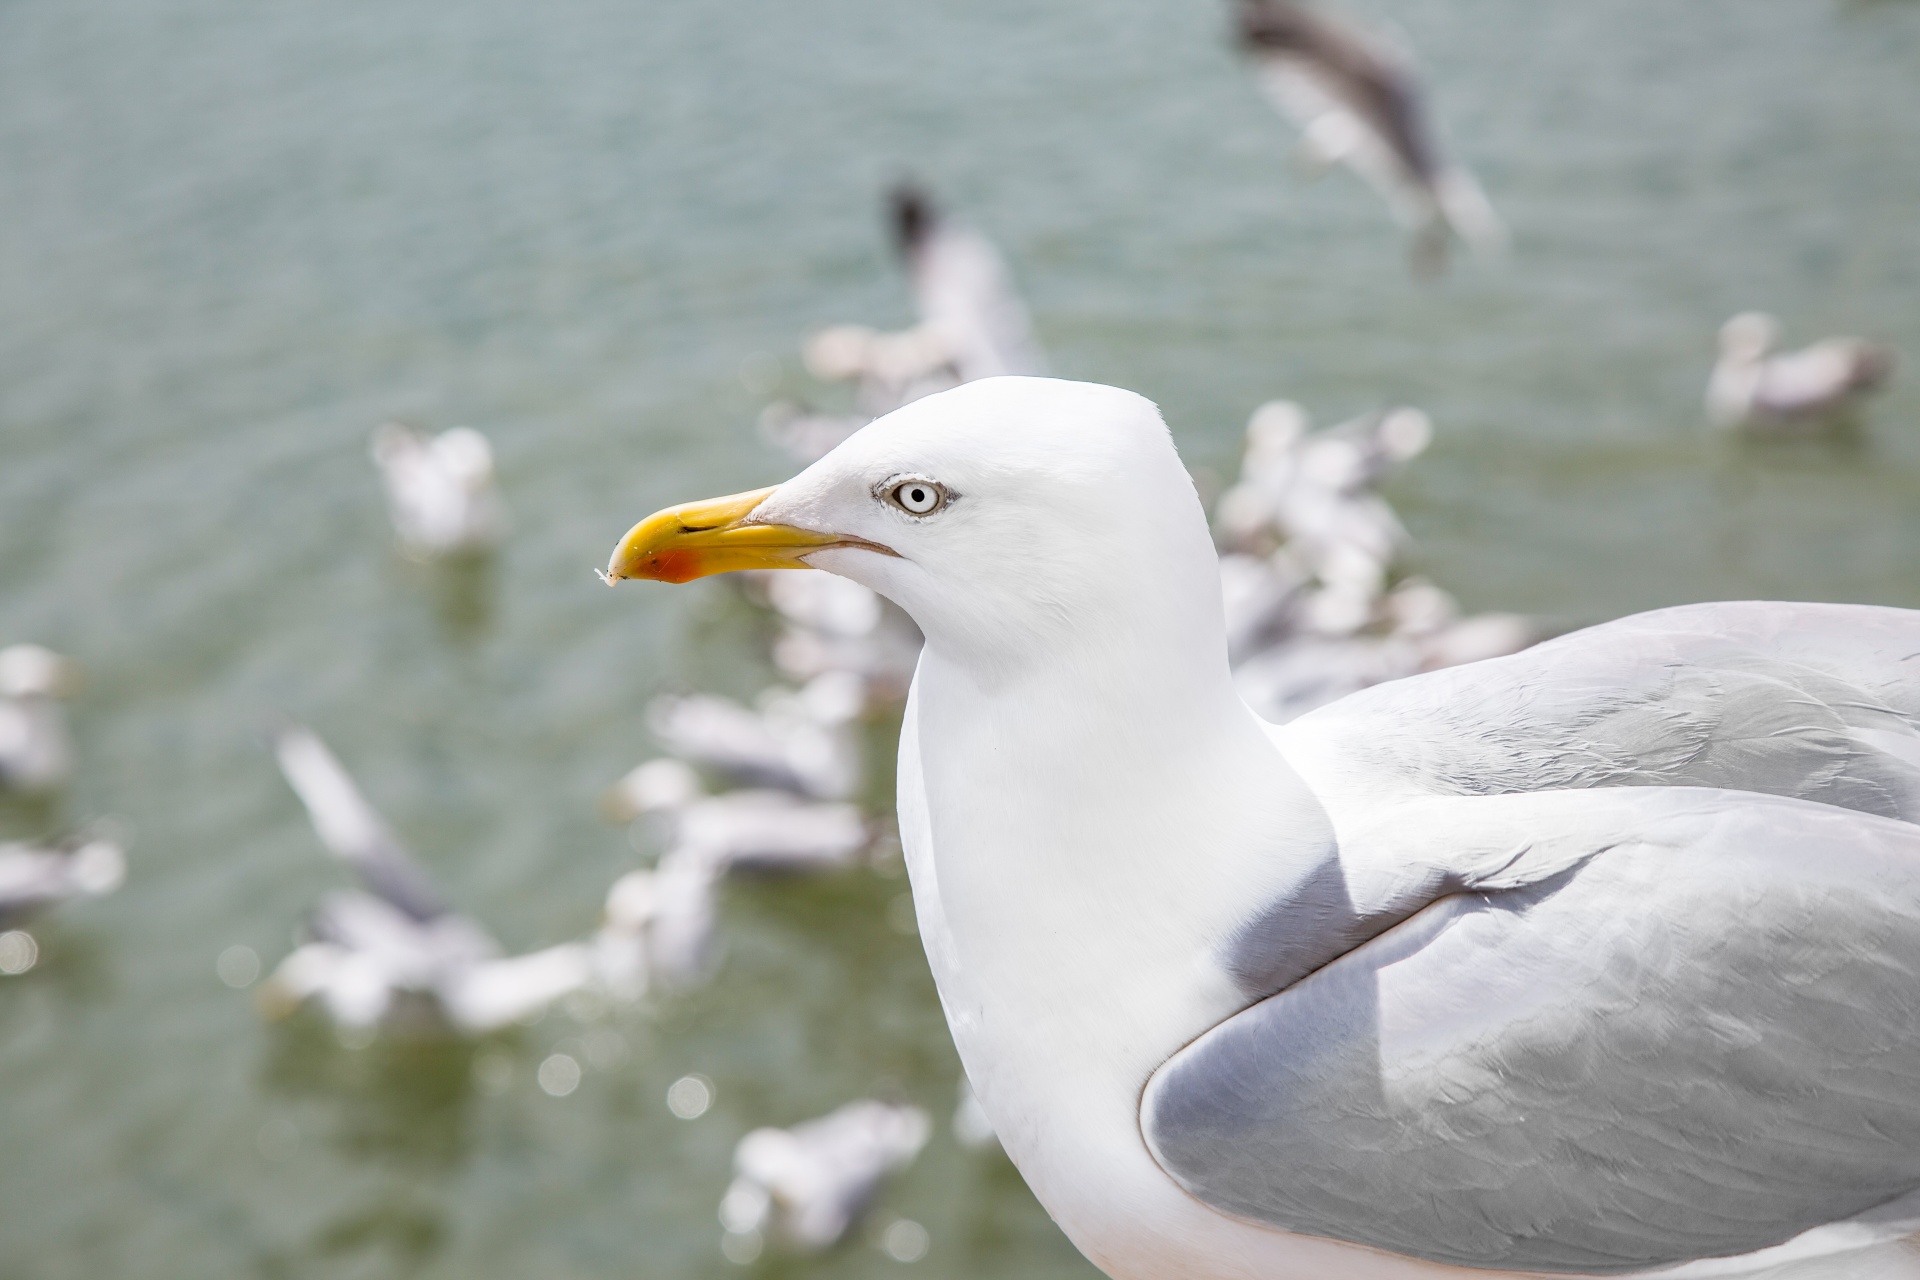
column 1316, row 492
column 1754, row 387
column 1357, row 101
column 831, row 626
column 394, row 954
column 35, row 753
column 34, row 877
column 972, row 324
column 752, row 830
column 658, row 929
column 963, row 291
column 811, row 1183
column 797, row 741
column 440, row 491
column 1594, row 960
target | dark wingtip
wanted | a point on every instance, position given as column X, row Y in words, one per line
column 911, row 214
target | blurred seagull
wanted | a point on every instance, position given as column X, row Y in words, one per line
column 1358, row 101
column 1315, row 493
column 797, row 741
column 35, row 753
column 440, row 490
column 658, row 930
column 812, row 1182
column 963, row 291
column 36, row 877
column 1754, row 387
column 972, row 324
column 375, row 957
column 756, row 830
column 830, row 626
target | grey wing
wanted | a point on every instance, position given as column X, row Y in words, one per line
column 351, row 828
column 1697, row 1042
column 1818, row 702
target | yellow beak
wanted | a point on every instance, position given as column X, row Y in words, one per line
column 716, row 536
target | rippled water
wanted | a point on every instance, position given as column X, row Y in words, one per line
column 235, row 236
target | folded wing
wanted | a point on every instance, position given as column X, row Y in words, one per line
column 1688, row 1028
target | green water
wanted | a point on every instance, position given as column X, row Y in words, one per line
column 235, row 236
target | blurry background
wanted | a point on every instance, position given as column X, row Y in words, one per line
column 234, row 237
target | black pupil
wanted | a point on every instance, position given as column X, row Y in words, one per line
column 916, row 495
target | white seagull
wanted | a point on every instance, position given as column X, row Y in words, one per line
column 34, row 877
column 798, row 740
column 1358, row 102
column 811, row 1183
column 972, row 324
column 1598, row 959
column 36, row 754
column 440, row 491
column 1756, row 387
column 398, row 954
column 752, row 830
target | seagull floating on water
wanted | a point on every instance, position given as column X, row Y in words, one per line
column 810, row 1184
column 440, row 490
column 829, row 624
column 36, row 754
column 1598, row 959
column 801, row 741
column 658, row 930
column 1754, row 386
column 35, row 877
column 396, row 954
column 1358, row 102
column 752, row 830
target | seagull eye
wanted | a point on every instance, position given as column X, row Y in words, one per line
column 918, row 497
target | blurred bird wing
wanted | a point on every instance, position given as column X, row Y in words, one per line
column 350, row 828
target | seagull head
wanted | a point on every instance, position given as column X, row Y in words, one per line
column 1751, row 335
column 1009, row 516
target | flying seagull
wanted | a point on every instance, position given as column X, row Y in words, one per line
column 1756, row 387
column 1358, row 101
column 395, row 953
column 1598, row 959
column 972, row 324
